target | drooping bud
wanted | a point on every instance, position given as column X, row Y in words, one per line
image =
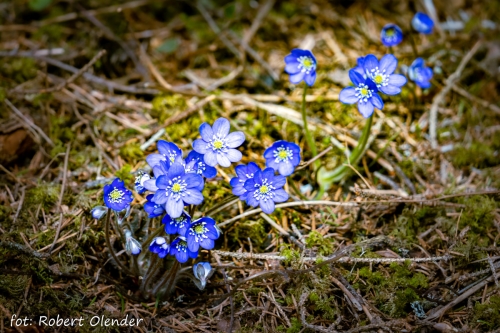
column 202, row 272
column 98, row 212
column 132, row 245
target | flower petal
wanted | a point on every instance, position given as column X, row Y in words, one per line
column 221, row 127
column 310, row 78
column 150, row 185
column 235, row 139
column 388, row 63
column 267, row 206
column 286, row 168
column 356, row 78
column 296, row 78
column 390, row 90
column 210, row 158
column 223, row 160
column 176, row 170
column 377, row 101
column 192, row 179
column 234, row 155
column 207, row 243
column 397, row 80
column 348, row 95
column 279, row 181
column 206, row 132
column 154, row 159
column 174, row 207
column 251, row 201
column 193, row 197
column 280, row 195
column 371, row 62
column 292, row 67
column 200, row 146
column 366, row 109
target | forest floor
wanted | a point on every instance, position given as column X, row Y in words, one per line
column 408, row 242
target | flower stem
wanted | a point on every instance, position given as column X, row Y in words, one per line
column 110, row 247
column 168, row 280
column 309, row 138
column 326, row 178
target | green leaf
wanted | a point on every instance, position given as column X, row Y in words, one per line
column 39, row 5
column 168, row 46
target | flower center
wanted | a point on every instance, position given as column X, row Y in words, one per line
column 264, row 191
column 363, row 93
column 218, row 144
column 199, row 229
column 390, row 32
column 306, row 64
column 380, row 78
column 116, row 196
column 176, row 188
column 282, row 154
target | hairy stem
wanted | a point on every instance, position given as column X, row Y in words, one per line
column 309, row 138
column 110, row 247
column 168, row 280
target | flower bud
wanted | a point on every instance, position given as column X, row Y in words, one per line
column 202, row 271
column 98, row 212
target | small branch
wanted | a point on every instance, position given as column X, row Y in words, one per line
column 24, row 249
column 306, row 164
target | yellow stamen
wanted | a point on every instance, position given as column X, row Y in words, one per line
column 264, row 189
column 218, row 144
column 283, row 154
column 378, row 79
column 176, row 188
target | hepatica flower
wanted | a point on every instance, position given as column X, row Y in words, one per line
column 159, row 246
column 168, row 151
column 218, row 145
column 132, row 245
column 202, row 233
column 98, row 212
column 153, row 209
column 301, row 65
column 139, row 181
column 364, row 93
column 391, row 35
column 283, row 156
column 264, row 189
column 177, row 225
column 177, row 188
column 179, row 249
column 196, row 164
column 244, row 173
column 202, row 271
column 116, row 196
column 422, row 23
column 382, row 74
column 420, row 74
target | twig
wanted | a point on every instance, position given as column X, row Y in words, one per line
column 228, row 288
column 21, row 201
column 493, row 270
column 61, row 195
column 23, row 249
column 305, row 164
column 263, row 10
column 475, row 99
column 449, row 83
column 275, row 225
column 29, row 122
column 188, row 112
column 226, row 79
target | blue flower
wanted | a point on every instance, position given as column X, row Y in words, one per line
column 364, row 93
column 391, row 35
column 202, row 271
column 382, row 73
column 139, row 181
column 168, row 151
column 217, row 144
column 283, row 156
column 265, row 189
column 179, row 249
column 422, row 23
column 98, row 212
column 116, row 196
column 160, row 246
column 160, row 169
column 132, row 245
column 301, row 65
column 176, row 188
column 196, row 164
column 153, row 210
column 244, row 173
column 177, row 225
column 202, row 232
column 420, row 74
column 360, row 66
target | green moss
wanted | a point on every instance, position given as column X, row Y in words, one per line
column 488, row 313
column 414, row 220
column 478, row 214
column 477, row 154
column 131, row 152
column 19, row 69
column 323, row 245
column 43, row 194
column 255, row 230
column 164, row 106
column 125, row 174
column 292, row 256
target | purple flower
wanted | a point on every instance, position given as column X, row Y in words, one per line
column 160, row 169
column 202, row 271
column 422, row 23
column 116, row 196
column 153, row 210
column 301, row 65
column 217, row 144
column 360, row 67
column 139, row 181
column 168, row 151
column 176, row 188
column 202, row 232
column 283, row 156
column 364, row 93
column 159, row 246
column 177, row 225
column 420, row 74
column 265, row 189
column 179, row 249
column 243, row 172
column 196, row 164
column 391, row 35
column 382, row 73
